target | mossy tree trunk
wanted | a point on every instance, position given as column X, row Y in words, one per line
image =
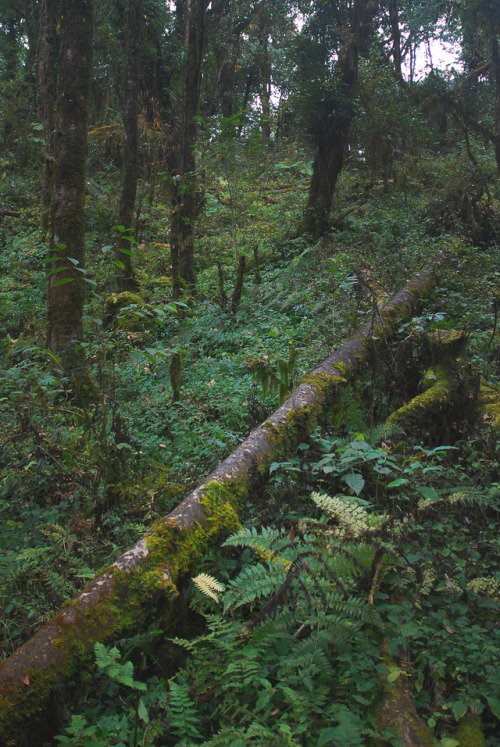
column 67, row 244
column 47, row 96
column 41, row 676
column 195, row 24
column 495, row 57
column 126, row 279
column 332, row 118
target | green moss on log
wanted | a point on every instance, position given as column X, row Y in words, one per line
column 446, row 344
column 395, row 710
column 469, row 732
column 115, row 305
column 439, row 387
column 174, row 550
column 489, row 405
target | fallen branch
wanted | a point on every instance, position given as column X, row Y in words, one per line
column 10, row 213
column 334, row 223
column 44, row 674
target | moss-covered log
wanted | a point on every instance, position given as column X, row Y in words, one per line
column 396, row 710
column 42, row 675
column 449, row 390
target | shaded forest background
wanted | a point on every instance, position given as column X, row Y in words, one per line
column 199, row 201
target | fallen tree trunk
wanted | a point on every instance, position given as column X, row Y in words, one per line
column 44, row 674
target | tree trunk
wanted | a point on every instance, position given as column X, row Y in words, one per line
column 194, row 30
column 395, row 37
column 126, row 279
column 265, row 91
column 332, row 120
column 38, row 679
column 47, row 97
column 495, row 56
column 67, row 246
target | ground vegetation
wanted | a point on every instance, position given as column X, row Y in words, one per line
column 203, row 236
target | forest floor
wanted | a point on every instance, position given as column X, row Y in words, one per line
column 394, row 585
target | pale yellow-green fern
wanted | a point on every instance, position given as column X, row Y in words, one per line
column 209, row 586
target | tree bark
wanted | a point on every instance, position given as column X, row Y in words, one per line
column 35, row 681
column 47, row 97
column 188, row 185
column 67, row 245
column 332, row 120
column 395, row 37
column 495, row 57
column 126, row 279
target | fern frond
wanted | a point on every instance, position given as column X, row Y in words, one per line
column 209, row 586
column 184, row 718
column 268, row 544
column 32, row 553
column 460, row 497
column 385, row 432
column 253, row 583
column 352, row 517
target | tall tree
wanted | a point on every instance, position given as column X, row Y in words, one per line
column 47, row 95
column 333, row 107
column 184, row 212
column 67, row 244
column 123, row 253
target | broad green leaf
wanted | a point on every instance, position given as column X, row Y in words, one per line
column 63, row 281
column 459, row 708
column 394, row 673
column 494, row 704
column 355, row 481
column 398, row 482
column 429, row 493
column 142, row 711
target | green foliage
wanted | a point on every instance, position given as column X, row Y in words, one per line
column 355, row 541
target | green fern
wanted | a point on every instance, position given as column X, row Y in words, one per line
column 184, row 719
column 253, row 583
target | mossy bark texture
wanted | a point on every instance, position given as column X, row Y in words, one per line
column 183, row 263
column 126, row 277
column 396, row 711
column 66, row 284
column 40, row 676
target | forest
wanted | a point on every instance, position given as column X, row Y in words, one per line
column 250, row 373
